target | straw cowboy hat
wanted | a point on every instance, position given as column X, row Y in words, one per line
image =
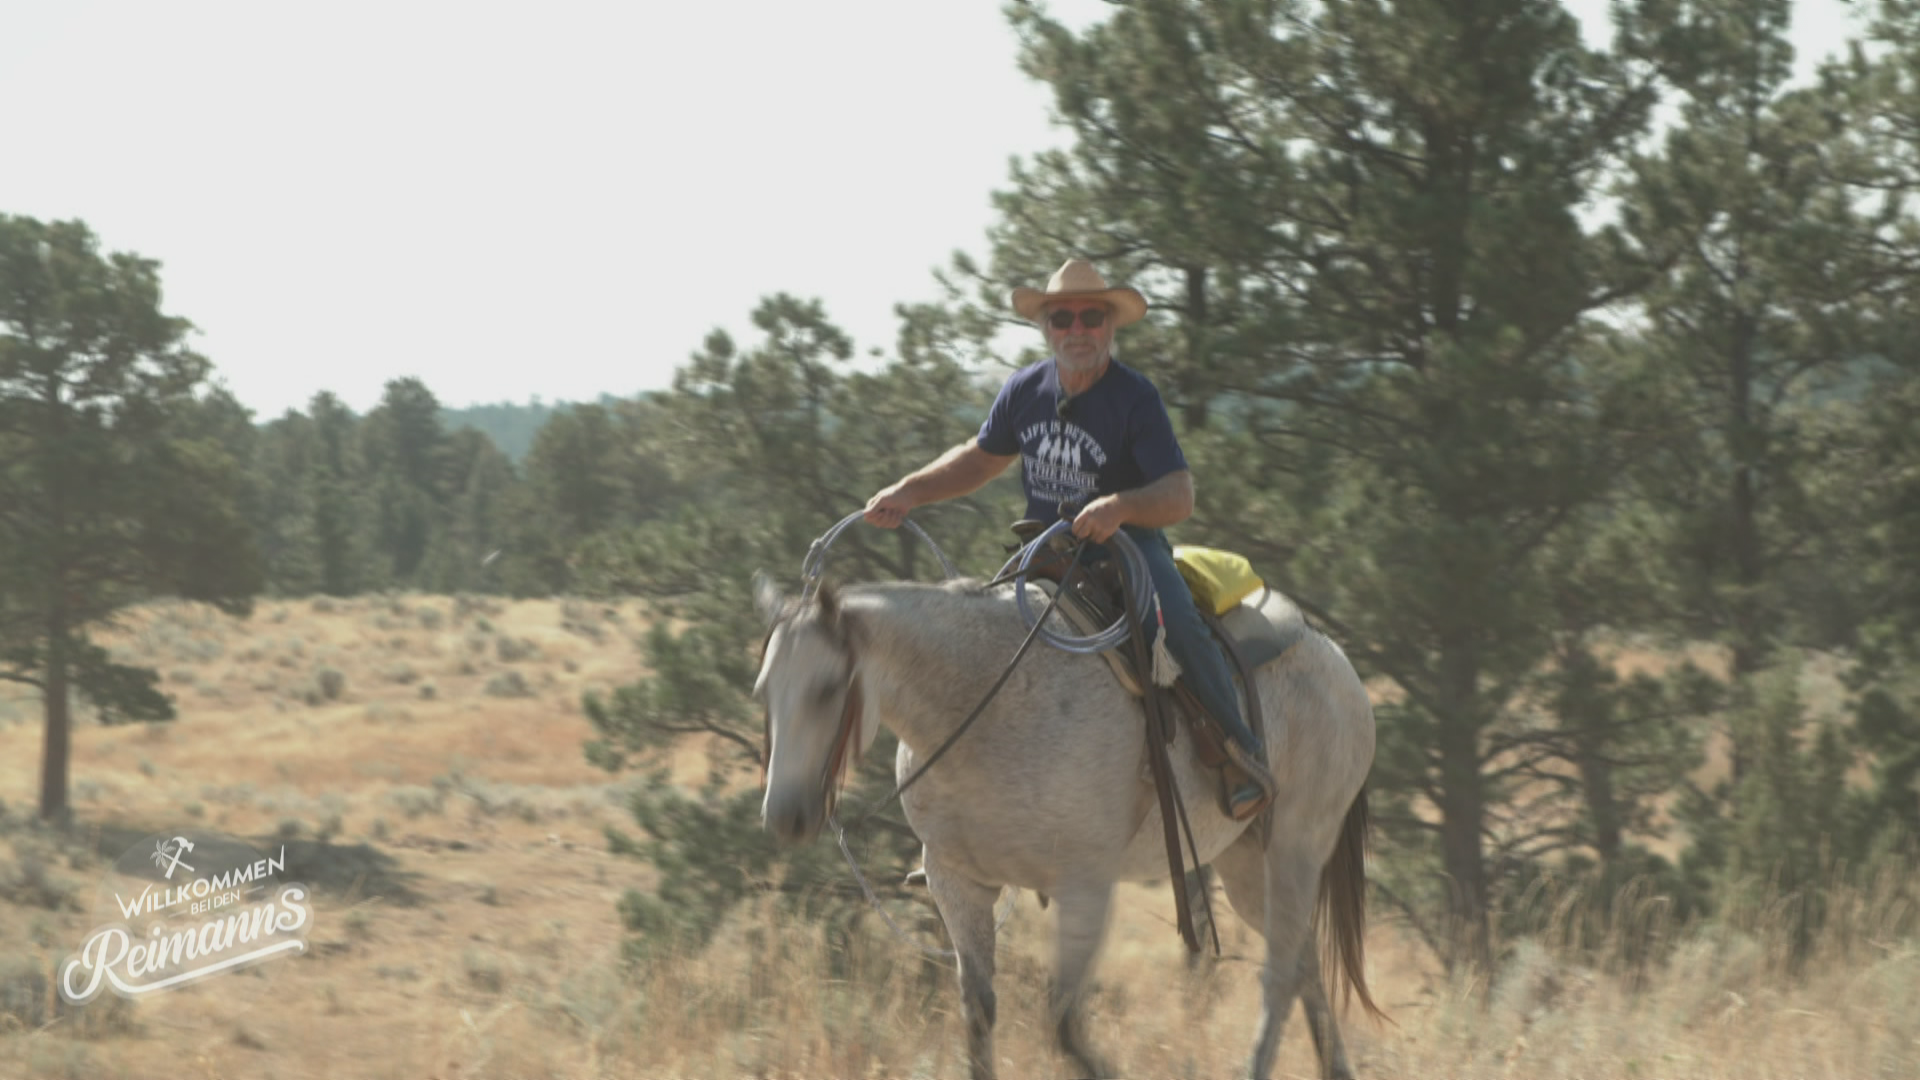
column 1078, row 280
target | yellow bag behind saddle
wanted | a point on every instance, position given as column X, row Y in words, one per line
column 1219, row 579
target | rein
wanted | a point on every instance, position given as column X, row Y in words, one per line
column 846, row 741
column 847, row 738
column 1006, row 673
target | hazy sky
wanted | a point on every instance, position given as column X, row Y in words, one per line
column 509, row 200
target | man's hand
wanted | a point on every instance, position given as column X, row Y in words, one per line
column 888, row 508
column 1101, row 519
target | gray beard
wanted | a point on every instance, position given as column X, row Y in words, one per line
column 1091, row 363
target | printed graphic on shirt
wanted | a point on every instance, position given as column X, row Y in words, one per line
column 1062, row 462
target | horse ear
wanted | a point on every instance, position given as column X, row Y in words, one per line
column 767, row 597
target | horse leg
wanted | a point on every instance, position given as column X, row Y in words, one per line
column 1251, row 875
column 1083, row 927
column 966, row 908
column 1326, row 1033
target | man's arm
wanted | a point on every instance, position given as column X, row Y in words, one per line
column 962, row 470
column 1166, row 501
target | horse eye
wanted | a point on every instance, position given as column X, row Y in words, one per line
column 824, row 695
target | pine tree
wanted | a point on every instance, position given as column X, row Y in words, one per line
column 769, row 446
column 115, row 484
column 1360, row 225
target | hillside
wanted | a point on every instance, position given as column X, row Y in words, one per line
column 465, row 924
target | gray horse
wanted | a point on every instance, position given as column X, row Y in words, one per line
column 1049, row 789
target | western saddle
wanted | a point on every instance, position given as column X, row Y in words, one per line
column 1250, row 639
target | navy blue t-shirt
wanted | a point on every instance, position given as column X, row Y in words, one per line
column 1115, row 436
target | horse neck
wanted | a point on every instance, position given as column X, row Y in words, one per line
column 926, row 655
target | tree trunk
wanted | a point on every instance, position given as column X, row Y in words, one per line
column 1587, row 712
column 59, row 734
column 58, row 746
column 1463, row 807
column 1749, row 646
column 1197, row 388
column 1596, row 780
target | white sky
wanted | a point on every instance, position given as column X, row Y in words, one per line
column 558, row 199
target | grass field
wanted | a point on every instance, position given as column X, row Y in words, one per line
column 420, row 759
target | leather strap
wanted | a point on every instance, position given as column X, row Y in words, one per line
column 1159, row 733
column 845, row 741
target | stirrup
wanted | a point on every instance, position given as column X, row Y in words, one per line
column 1235, row 800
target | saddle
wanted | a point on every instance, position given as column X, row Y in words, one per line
column 1250, row 638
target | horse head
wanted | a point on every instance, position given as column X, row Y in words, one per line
column 809, row 685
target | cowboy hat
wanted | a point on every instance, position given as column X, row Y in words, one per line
column 1078, row 280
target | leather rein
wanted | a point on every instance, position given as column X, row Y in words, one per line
column 1160, row 730
column 847, row 739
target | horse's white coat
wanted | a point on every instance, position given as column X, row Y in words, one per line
column 1048, row 789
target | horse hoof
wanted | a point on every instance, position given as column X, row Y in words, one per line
column 917, row 876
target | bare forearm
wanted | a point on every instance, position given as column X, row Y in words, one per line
column 1166, row 501
column 962, row 470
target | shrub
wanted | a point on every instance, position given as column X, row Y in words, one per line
column 30, row 883
column 28, row 1002
column 483, row 971
column 508, row 684
column 331, row 681
column 514, row 650
column 414, row 800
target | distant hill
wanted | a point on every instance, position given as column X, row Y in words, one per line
column 511, row 427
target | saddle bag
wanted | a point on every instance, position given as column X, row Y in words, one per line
column 1218, row 579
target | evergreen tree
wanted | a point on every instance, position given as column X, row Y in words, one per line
column 115, row 485
column 1361, row 226
column 340, row 510
column 772, row 445
column 466, row 551
column 1763, row 317
column 283, row 526
column 404, row 455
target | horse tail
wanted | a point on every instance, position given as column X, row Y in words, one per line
column 1342, row 910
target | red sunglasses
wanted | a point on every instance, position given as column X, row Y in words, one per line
column 1091, row 318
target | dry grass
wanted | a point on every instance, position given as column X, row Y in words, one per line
column 465, row 922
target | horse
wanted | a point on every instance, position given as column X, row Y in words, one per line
column 1048, row 789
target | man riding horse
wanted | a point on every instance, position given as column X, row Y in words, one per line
column 1092, row 433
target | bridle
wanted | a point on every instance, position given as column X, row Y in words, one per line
column 847, row 739
column 843, row 741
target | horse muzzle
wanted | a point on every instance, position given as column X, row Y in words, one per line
column 792, row 821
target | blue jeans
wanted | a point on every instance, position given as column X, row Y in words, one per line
column 1188, row 639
